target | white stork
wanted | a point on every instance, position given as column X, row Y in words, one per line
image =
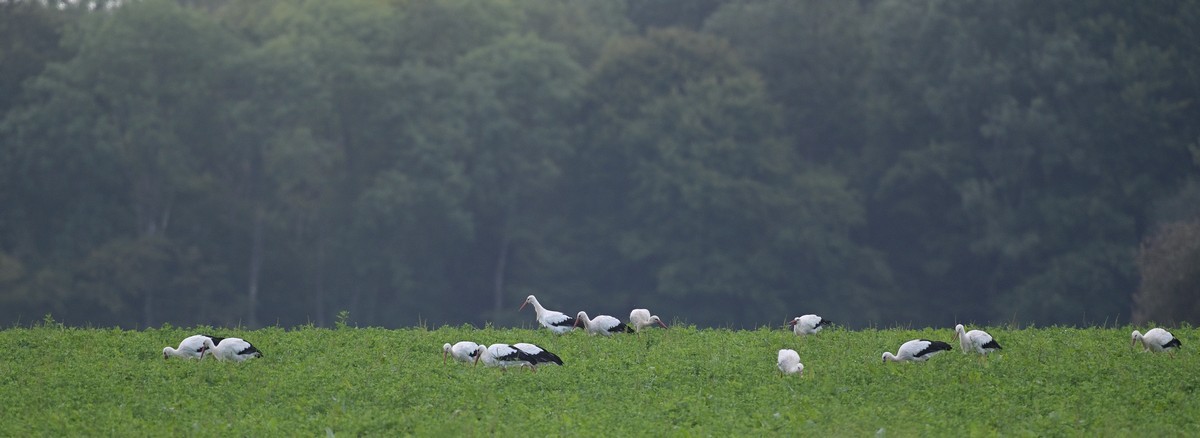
column 1156, row 340
column 462, row 351
column 789, row 363
column 917, row 350
column 520, row 354
column 808, row 324
column 192, row 347
column 556, row 321
column 641, row 318
column 235, row 349
column 601, row 324
column 977, row 341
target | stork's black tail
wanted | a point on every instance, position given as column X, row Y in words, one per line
column 544, row 357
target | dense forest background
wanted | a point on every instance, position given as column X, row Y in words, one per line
column 722, row 162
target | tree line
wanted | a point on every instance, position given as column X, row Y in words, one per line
column 723, row 162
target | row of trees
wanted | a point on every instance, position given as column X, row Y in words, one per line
column 723, row 161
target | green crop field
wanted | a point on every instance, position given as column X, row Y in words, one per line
column 59, row 381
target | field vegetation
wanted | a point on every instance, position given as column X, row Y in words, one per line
column 62, row 381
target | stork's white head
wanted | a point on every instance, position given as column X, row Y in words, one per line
column 960, row 335
column 207, row 348
column 655, row 318
column 445, row 351
column 528, row 300
column 479, row 352
column 888, row 356
column 794, row 321
column 1136, row 336
column 167, row 352
column 581, row 316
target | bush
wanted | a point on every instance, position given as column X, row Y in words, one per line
column 1169, row 265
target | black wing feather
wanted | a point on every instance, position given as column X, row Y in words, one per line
column 934, row 346
column 546, row 356
column 621, row 328
column 1173, row 343
column 824, row 322
column 216, row 341
column 569, row 322
column 992, row 344
column 515, row 354
column 250, row 350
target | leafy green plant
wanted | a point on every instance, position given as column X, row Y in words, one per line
column 683, row 381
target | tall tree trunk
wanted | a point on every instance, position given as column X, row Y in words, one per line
column 319, row 290
column 153, row 213
column 498, row 276
column 258, row 215
column 256, row 250
column 147, row 309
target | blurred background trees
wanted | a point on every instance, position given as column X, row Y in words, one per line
column 729, row 162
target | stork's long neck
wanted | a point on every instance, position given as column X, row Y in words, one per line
column 175, row 353
column 537, row 308
column 962, row 339
column 583, row 318
column 887, row 356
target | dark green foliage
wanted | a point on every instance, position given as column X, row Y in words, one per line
column 1169, row 264
column 731, row 161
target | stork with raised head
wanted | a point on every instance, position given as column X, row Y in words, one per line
column 916, row 350
column 557, row 322
column 808, row 324
column 192, row 347
column 1157, row 340
column 789, row 363
column 601, row 324
column 235, row 349
column 520, row 354
column 977, row 341
column 461, row 351
column 641, row 318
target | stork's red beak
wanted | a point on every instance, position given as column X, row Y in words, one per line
column 661, row 323
column 443, row 357
column 522, row 306
column 477, row 356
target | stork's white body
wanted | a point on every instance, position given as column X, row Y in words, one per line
column 520, row 354
column 789, row 362
column 556, row 321
column 601, row 325
column 192, row 347
column 641, row 318
column 461, row 351
column 1156, row 340
column 500, row 355
column 235, row 349
column 808, row 324
column 917, row 350
column 977, row 341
